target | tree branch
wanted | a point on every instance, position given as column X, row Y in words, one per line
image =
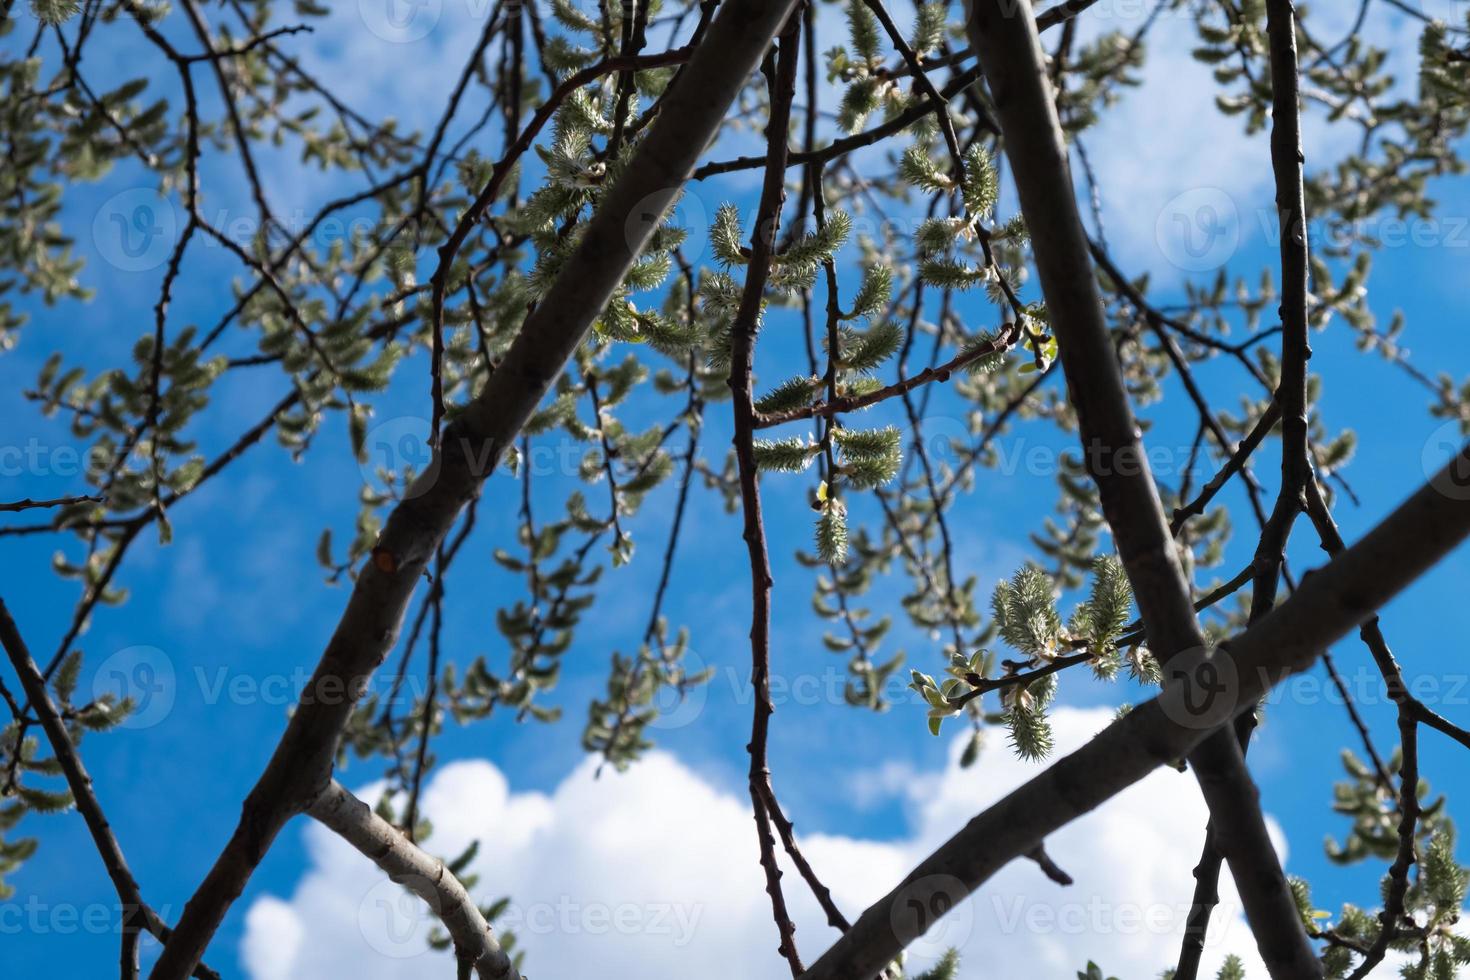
column 941, row 373
column 427, row 877
column 28, row 503
column 1291, row 397
column 922, row 80
column 1233, row 465
column 781, row 78
column 1015, row 68
column 472, row 215
column 1056, row 14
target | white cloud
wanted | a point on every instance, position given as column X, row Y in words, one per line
column 278, row 920
column 652, row 873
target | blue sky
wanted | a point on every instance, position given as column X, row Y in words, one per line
column 236, row 609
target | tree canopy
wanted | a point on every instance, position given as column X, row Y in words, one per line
column 866, row 244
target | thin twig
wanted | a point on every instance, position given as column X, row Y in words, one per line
column 781, row 80
column 136, row 914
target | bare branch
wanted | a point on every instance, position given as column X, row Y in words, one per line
column 1291, row 399
column 28, row 503
column 922, row 80
column 1015, row 67
column 472, row 215
column 427, row 877
column 781, row 79
column 1233, row 465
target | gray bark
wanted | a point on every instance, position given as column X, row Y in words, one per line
column 427, row 877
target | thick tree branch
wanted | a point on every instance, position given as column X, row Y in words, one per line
column 1328, row 604
column 1005, row 38
column 1291, row 398
column 1057, row 14
column 301, row 765
column 470, row 219
column 427, row 877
